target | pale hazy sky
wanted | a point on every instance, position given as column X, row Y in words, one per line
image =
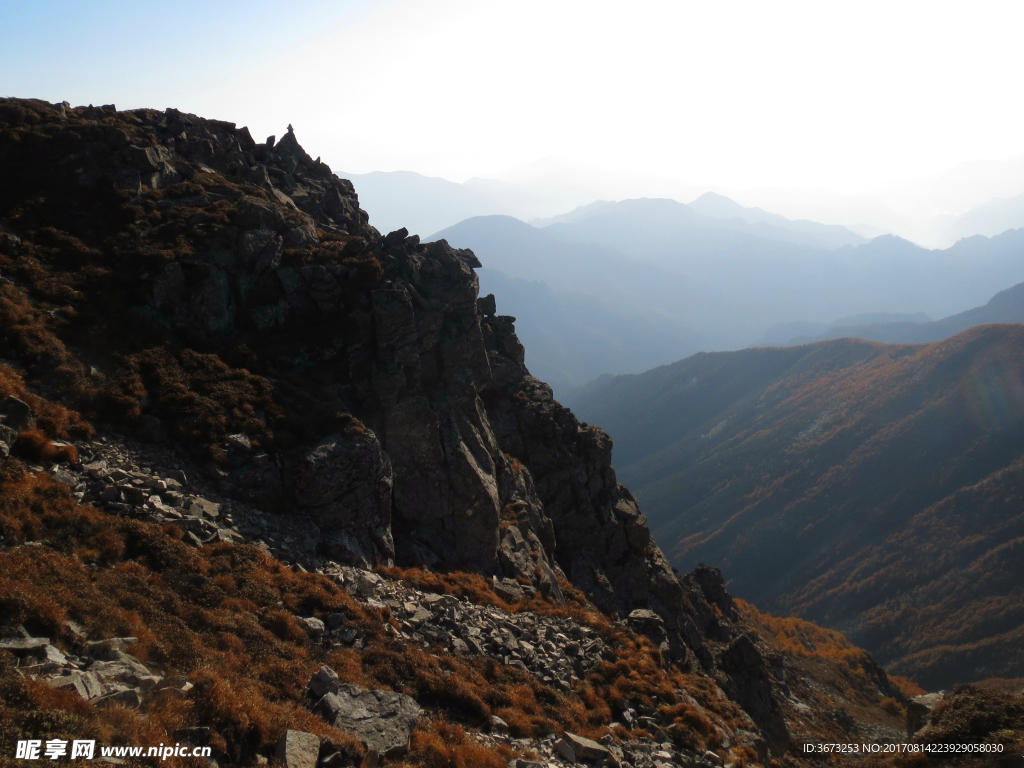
column 848, row 96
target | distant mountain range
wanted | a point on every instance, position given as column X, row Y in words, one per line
column 718, row 206
column 876, row 489
column 710, row 284
column 551, row 286
column 1005, row 307
column 989, row 218
column 787, row 334
column 546, row 192
column 712, row 211
column 426, row 204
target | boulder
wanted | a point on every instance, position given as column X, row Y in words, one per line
column 508, row 589
column 297, row 749
column 201, row 508
column 565, row 751
column 87, row 684
column 323, row 682
column 487, row 305
column 586, row 749
column 919, row 710
column 302, row 236
column 314, row 627
column 646, row 622
column 383, row 720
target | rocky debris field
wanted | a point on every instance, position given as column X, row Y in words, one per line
column 105, row 673
column 384, row 721
column 146, row 483
column 157, row 484
column 557, row 651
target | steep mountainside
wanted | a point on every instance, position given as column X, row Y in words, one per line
column 268, row 469
column 376, row 396
column 874, row 489
column 1005, row 307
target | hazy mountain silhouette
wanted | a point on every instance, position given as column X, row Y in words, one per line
column 786, row 334
column 419, row 203
column 989, row 218
column 788, row 281
column 1005, row 307
column 723, row 288
column 712, row 211
column 424, row 204
column 653, row 311
column 872, row 488
column 713, row 205
column 571, row 338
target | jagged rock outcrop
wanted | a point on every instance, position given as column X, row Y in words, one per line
column 442, row 449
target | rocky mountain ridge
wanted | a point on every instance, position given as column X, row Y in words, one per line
column 345, row 398
column 449, row 436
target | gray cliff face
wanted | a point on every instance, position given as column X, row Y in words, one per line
column 453, row 454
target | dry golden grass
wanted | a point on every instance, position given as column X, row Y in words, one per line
column 907, row 686
column 224, row 617
column 638, row 674
column 52, row 420
column 440, row 744
column 802, row 638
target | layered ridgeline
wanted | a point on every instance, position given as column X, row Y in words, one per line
column 874, row 489
column 235, row 398
column 1005, row 307
column 703, row 286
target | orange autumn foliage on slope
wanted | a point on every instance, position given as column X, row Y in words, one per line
column 867, row 487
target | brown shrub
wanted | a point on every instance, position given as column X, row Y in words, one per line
column 33, row 445
column 440, row 744
column 892, row 706
column 907, row 686
column 52, row 419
